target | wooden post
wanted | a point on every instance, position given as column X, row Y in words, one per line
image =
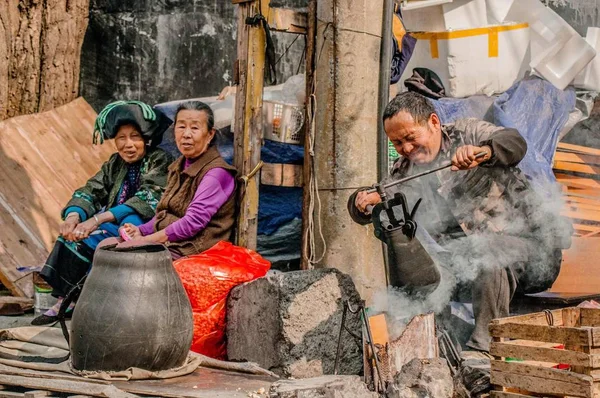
column 248, row 115
column 308, row 158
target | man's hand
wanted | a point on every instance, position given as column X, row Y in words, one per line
column 66, row 228
column 464, row 158
column 364, row 199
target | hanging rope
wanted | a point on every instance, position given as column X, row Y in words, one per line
column 98, row 134
column 314, row 199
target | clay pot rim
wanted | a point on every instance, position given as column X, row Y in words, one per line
column 134, row 247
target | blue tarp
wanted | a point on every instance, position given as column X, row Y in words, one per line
column 534, row 107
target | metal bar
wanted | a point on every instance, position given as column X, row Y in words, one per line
column 385, row 60
column 370, row 337
column 384, row 96
column 339, row 343
column 409, row 178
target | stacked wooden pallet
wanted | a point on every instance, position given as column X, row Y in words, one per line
column 577, row 168
column 548, row 353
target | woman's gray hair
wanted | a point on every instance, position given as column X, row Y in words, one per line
column 198, row 106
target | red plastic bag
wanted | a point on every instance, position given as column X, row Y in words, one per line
column 208, row 278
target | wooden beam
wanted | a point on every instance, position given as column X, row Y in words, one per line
column 577, row 168
column 578, row 149
column 248, row 115
column 281, row 175
column 576, row 158
column 545, row 354
column 311, row 37
column 541, row 380
column 550, row 334
column 290, row 21
column 64, row 386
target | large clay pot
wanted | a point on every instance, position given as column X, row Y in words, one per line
column 132, row 312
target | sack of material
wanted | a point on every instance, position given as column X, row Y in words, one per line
column 208, row 278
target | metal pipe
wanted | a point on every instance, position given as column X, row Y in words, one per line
column 385, row 67
column 409, row 178
column 384, row 85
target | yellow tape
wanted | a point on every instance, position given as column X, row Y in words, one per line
column 493, row 45
column 433, row 45
column 491, row 31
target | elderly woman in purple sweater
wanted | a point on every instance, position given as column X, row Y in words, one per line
column 197, row 209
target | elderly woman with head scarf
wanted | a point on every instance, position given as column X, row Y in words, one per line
column 197, row 209
column 127, row 189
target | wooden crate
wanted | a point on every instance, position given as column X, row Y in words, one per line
column 573, row 339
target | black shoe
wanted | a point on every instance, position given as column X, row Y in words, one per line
column 44, row 319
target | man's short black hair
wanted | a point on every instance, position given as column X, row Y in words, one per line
column 417, row 105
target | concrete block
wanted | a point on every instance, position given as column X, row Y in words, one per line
column 322, row 387
column 289, row 323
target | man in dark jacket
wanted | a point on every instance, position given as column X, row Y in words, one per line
column 491, row 227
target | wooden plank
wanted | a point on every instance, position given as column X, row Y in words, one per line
column 589, row 316
column 577, row 182
column 248, row 123
column 576, row 168
column 578, row 274
column 505, row 394
column 15, row 305
column 541, row 380
column 544, row 354
column 583, row 200
column 44, row 158
column 8, row 394
column 522, row 368
column 37, row 394
column 578, row 149
column 309, row 108
column 588, row 193
column 576, row 158
column 281, row 175
column 551, row 334
column 286, row 20
column 581, row 214
column 536, row 318
column 582, row 206
column 586, row 227
column 64, row 386
column 540, row 385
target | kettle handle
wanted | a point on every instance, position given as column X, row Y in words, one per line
column 69, row 298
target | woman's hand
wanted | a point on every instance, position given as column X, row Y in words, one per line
column 132, row 231
column 84, row 229
column 364, row 200
column 465, row 157
column 66, row 228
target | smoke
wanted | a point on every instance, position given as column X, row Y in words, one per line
column 513, row 225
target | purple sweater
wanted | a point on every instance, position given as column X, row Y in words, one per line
column 212, row 193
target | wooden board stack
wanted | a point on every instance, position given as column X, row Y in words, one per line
column 577, row 168
column 44, row 157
